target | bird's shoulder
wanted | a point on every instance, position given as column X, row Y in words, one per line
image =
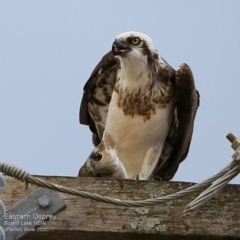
column 99, row 86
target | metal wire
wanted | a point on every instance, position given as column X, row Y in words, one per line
column 218, row 181
column 210, row 192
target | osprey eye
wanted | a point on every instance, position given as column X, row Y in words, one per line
column 135, row 41
column 97, row 156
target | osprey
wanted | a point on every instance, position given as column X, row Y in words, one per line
column 140, row 106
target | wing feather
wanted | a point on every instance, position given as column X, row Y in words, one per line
column 97, row 95
column 179, row 138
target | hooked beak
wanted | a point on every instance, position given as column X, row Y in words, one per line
column 120, row 48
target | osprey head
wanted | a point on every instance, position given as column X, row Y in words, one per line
column 134, row 44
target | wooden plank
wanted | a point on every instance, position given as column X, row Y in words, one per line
column 89, row 219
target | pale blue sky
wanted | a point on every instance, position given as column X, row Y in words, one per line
column 49, row 48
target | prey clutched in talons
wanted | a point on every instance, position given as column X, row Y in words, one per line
column 103, row 162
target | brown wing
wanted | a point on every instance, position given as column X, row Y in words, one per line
column 179, row 138
column 97, row 95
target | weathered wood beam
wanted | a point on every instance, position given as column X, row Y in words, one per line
column 88, row 219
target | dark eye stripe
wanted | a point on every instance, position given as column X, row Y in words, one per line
column 130, row 40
